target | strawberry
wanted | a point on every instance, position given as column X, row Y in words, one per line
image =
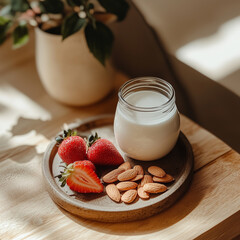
column 72, row 148
column 102, row 151
column 81, row 178
column 88, row 164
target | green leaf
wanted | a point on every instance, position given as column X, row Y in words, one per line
column 51, row 6
column 99, row 40
column 69, row 132
column 59, row 139
column 71, row 25
column 20, row 36
column 118, row 7
column 4, row 26
column 19, row 5
column 74, row 133
column 63, row 183
column 3, row 21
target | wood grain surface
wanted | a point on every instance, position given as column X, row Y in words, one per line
column 29, row 119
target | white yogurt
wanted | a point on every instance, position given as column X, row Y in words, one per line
column 146, row 125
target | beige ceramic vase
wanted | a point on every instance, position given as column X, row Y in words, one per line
column 69, row 72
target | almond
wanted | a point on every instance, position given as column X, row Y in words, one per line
column 113, row 175
column 125, row 165
column 139, row 169
column 166, row 179
column 156, row 171
column 146, row 179
column 142, row 194
column 138, row 177
column 129, row 196
column 113, row 192
column 123, row 186
column 127, row 175
column 154, row 188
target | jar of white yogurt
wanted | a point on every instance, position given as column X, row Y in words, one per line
column 147, row 123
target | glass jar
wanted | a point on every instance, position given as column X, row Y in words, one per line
column 147, row 122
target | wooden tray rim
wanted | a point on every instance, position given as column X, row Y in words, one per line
column 49, row 179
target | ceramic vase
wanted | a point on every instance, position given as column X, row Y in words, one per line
column 69, row 72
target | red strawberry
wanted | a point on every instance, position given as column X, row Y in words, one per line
column 88, row 164
column 81, row 178
column 72, row 148
column 103, row 152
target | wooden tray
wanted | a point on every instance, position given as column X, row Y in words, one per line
column 178, row 163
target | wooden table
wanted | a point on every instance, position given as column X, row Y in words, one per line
column 29, row 119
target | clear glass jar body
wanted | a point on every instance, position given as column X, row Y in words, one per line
column 147, row 122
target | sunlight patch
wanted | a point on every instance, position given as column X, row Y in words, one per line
column 14, row 104
column 215, row 56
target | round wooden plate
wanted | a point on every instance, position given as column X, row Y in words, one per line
column 178, row 163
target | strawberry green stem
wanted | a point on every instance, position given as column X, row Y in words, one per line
column 92, row 139
column 64, row 175
column 66, row 134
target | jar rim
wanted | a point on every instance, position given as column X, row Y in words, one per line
column 145, row 81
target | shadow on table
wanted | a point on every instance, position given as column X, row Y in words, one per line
column 161, row 221
column 20, row 154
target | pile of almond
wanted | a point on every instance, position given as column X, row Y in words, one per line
column 126, row 183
